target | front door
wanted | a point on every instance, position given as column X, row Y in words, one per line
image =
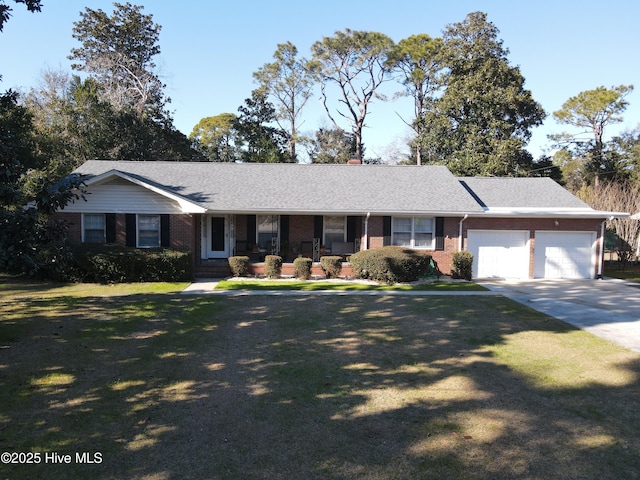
column 218, row 238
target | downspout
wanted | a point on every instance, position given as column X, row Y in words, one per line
column 366, row 232
column 466, row 215
column 601, row 260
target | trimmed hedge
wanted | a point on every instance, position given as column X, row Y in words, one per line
column 462, row 265
column 239, row 266
column 273, row 266
column 331, row 266
column 103, row 263
column 302, row 268
column 390, row 264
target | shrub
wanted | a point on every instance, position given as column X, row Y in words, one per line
column 390, row 264
column 239, row 266
column 331, row 266
column 462, row 265
column 302, row 268
column 115, row 264
column 273, row 266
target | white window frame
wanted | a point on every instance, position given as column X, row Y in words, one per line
column 324, row 229
column 412, row 241
column 84, row 227
column 138, row 217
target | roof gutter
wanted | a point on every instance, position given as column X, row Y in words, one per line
column 551, row 213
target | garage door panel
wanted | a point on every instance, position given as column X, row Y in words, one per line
column 564, row 254
column 499, row 254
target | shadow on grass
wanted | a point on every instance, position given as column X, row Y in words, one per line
column 326, row 387
column 284, row 285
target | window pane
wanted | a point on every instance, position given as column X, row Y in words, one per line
column 149, row 222
column 423, row 225
column 423, row 240
column 334, row 224
column 334, row 229
column 402, row 239
column 94, row 231
column 267, row 223
column 94, row 222
column 401, row 224
column 149, row 230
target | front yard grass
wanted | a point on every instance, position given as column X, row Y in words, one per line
column 333, row 387
column 630, row 272
column 250, row 284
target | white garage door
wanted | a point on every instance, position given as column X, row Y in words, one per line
column 564, row 254
column 499, row 254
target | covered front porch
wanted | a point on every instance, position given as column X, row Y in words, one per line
column 221, row 236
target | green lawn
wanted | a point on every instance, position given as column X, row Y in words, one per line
column 248, row 284
column 629, row 272
column 318, row 387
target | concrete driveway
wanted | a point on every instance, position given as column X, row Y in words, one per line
column 609, row 308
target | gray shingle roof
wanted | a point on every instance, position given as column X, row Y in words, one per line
column 297, row 188
column 542, row 193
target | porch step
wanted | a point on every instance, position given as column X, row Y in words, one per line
column 212, row 270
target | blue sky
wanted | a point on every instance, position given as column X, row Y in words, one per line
column 210, row 49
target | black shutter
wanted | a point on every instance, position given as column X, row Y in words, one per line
column 110, row 227
column 386, row 230
column 165, row 240
column 439, row 233
column 318, row 224
column 284, row 228
column 251, row 229
column 352, row 223
column 130, row 224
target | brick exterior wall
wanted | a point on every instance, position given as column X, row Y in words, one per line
column 182, row 231
column 300, row 230
column 74, row 224
column 376, row 232
column 185, row 232
column 241, row 228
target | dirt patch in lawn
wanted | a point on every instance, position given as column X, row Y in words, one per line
column 313, row 387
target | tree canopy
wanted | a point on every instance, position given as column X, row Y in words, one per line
column 30, row 242
column 416, row 61
column 482, row 120
column 119, row 51
column 591, row 111
column 260, row 142
column 289, row 80
column 5, row 10
column 216, row 138
column 354, row 61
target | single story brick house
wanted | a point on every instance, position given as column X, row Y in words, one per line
column 515, row 227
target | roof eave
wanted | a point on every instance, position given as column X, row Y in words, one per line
column 550, row 213
column 361, row 212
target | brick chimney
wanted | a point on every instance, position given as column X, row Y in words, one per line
column 354, row 161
